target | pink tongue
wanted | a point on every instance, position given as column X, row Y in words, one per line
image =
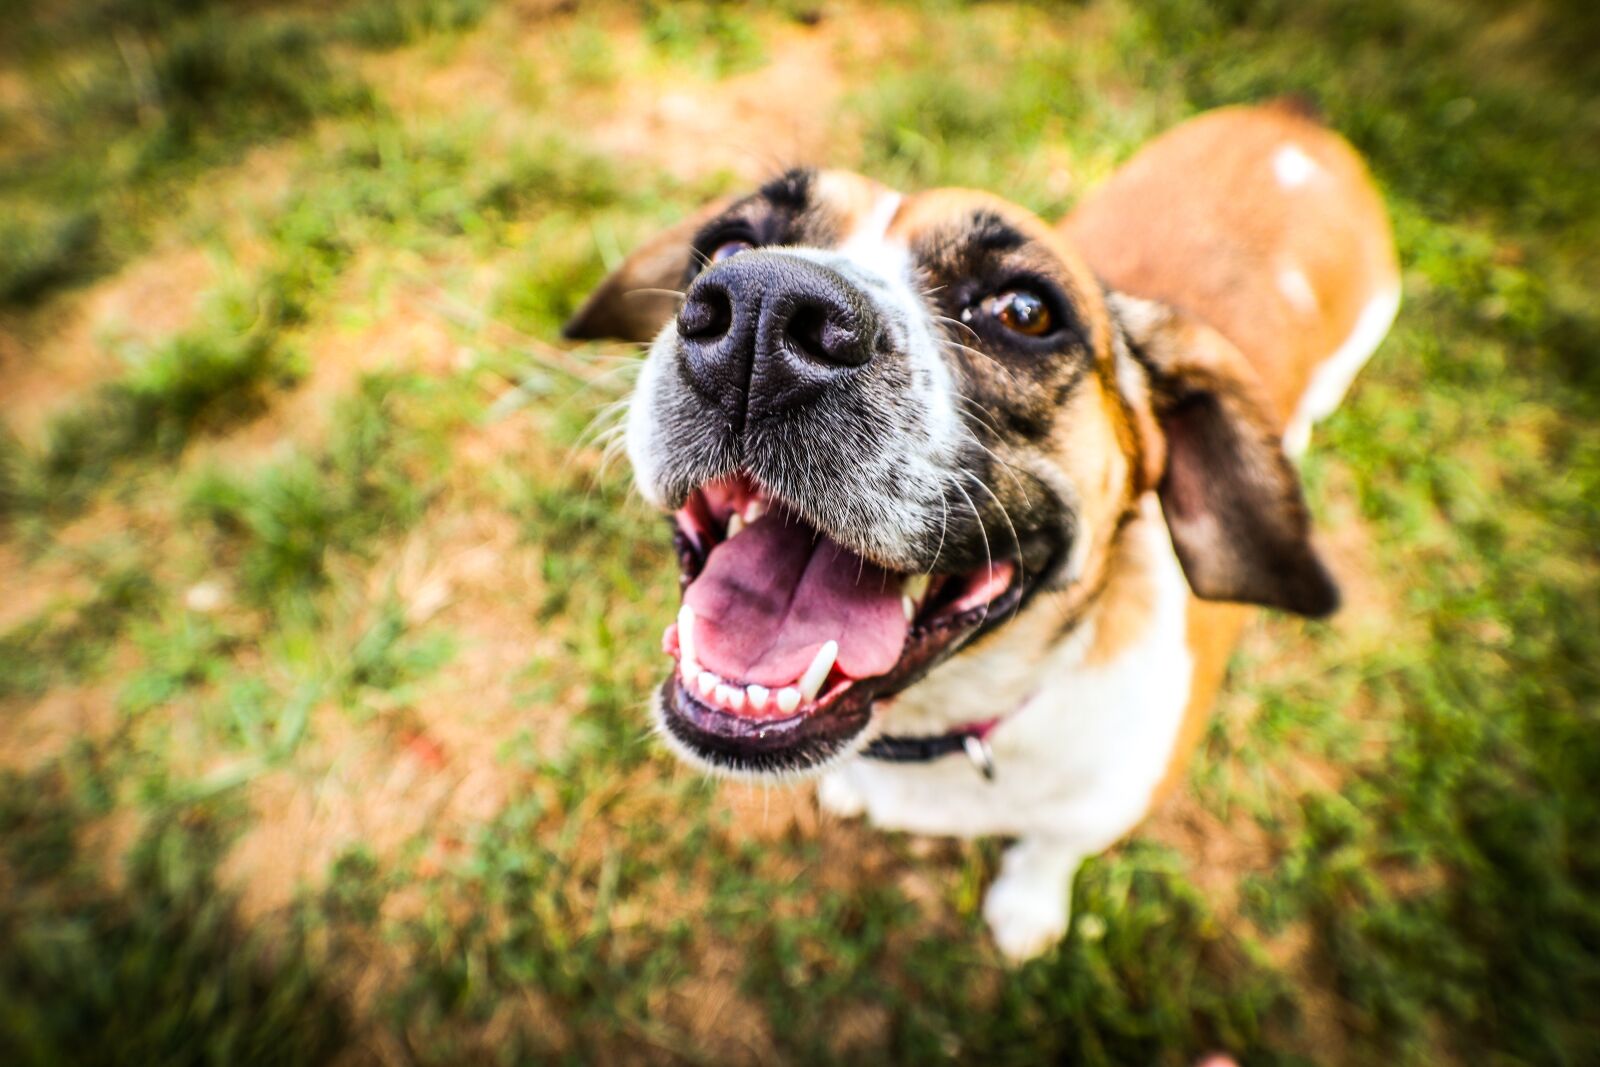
column 770, row 597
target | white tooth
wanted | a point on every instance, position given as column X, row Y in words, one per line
column 817, row 673
column 730, row 697
column 758, row 695
column 910, row 606
column 707, row 682
column 916, row 587
column 788, row 699
column 690, row 669
column 735, row 524
column 754, row 510
column 686, row 644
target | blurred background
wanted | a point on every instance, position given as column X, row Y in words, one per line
column 325, row 624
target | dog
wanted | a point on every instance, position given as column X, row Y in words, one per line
column 970, row 509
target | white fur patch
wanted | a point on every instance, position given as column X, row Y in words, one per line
column 1076, row 764
column 1030, row 904
column 641, row 418
column 1334, row 375
column 1293, row 167
column 875, row 227
column 1296, row 288
column 881, row 267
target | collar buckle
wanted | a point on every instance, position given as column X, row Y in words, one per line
column 980, row 754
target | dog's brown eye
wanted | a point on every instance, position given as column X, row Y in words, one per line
column 1023, row 312
column 730, row 248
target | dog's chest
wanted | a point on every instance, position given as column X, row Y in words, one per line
column 1080, row 748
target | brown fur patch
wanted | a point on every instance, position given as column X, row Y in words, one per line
column 1200, row 220
column 1213, row 630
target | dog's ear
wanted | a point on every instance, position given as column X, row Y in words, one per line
column 1231, row 497
column 639, row 297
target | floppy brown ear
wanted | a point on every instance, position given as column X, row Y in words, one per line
column 638, row 298
column 1231, row 497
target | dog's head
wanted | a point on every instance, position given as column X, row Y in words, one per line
column 882, row 424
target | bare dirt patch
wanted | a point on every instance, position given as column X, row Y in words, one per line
column 81, row 344
column 42, row 730
column 54, row 355
column 720, row 1020
column 752, row 125
column 1221, row 852
column 430, row 767
column 407, row 331
column 670, row 117
column 33, row 587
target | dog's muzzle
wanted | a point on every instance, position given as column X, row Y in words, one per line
column 797, row 420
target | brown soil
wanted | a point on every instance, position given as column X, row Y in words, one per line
column 84, row 342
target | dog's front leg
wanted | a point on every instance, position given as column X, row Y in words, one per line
column 1029, row 905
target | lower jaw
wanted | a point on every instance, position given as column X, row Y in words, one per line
column 731, row 744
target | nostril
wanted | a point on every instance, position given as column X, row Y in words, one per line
column 823, row 334
column 706, row 314
column 806, row 330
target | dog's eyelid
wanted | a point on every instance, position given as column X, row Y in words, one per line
column 981, row 295
column 715, row 235
column 726, row 228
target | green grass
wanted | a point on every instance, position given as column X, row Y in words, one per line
column 423, row 581
column 390, row 25
column 118, row 120
column 372, row 478
column 68, row 640
column 715, row 36
column 158, row 971
column 395, row 185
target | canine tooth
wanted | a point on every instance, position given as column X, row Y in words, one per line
column 910, row 607
column 735, row 524
column 686, row 634
column 707, row 682
column 754, row 510
column 690, row 669
column 817, row 673
column 788, row 699
column 916, row 587
column 758, row 694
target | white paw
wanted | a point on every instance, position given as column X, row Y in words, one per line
column 1027, row 916
column 838, row 796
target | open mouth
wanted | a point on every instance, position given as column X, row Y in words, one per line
column 786, row 637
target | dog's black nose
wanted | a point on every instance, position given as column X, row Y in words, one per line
column 767, row 331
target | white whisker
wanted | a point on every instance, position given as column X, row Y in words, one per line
column 1016, row 539
column 978, row 518
column 958, row 324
